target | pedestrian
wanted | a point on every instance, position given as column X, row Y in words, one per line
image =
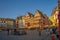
column 57, row 34
column 39, row 32
column 14, row 31
column 8, row 31
column 54, row 30
column 51, row 32
column 52, row 37
column 48, row 33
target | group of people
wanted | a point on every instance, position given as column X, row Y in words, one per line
column 51, row 31
column 8, row 31
column 54, row 31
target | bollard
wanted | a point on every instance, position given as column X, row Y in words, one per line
column 52, row 37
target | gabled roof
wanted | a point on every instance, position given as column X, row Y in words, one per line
column 19, row 17
column 53, row 12
column 30, row 14
column 10, row 19
column 38, row 13
column 45, row 16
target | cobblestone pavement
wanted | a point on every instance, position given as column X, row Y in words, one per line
column 31, row 35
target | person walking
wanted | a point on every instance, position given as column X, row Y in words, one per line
column 8, row 31
column 15, row 31
column 52, row 37
column 40, row 32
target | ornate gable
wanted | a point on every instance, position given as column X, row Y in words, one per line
column 38, row 13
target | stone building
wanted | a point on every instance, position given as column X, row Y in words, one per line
column 19, row 22
column 25, row 21
column 7, row 23
column 28, row 20
column 38, row 20
column 54, row 17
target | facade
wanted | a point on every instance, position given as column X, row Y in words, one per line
column 28, row 20
column 25, row 21
column 38, row 20
column 7, row 23
column 19, row 22
column 46, row 20
column 54, row 17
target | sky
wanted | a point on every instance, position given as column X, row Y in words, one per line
column 14, row 8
